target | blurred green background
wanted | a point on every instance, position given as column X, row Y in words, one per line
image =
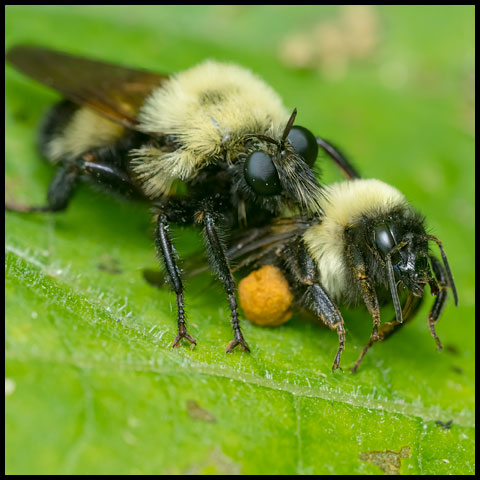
column 91, row 384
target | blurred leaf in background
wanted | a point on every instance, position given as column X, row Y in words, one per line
column 92, row 385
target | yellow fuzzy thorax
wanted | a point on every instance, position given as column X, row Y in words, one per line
column 85, row 131
column 207, row 109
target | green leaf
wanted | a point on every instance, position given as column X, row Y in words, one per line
column 92, row 385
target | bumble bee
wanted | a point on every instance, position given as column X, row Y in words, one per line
column 368, row 245
column 216, row 128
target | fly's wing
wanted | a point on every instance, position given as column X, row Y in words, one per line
column 113, row 91
column 249, row 247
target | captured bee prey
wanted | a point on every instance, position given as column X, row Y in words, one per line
column 216, row 131
column 369, row 246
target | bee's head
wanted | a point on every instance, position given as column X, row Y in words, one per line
column 403, row 245
column 279, row 171
column 407, row 252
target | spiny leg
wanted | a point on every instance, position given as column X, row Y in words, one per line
column 368, row 291
column 221, row 267
column 339, row 158
column 167, row 253
column 322, row 306
column 303, row 268
column 440, row 299
column 412, row 304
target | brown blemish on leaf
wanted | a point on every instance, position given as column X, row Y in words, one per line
column 110, row 265
column 198, row 413
column 445, row 426
column 387, row 460
column 457, row 369
column 451, row 348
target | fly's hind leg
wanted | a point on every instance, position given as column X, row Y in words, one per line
column 96, row 166
column 221, row 267
column 59, row 193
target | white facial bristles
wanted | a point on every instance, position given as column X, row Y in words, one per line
column 345, row 203
column 207, row 110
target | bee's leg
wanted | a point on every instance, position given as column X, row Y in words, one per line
column 440, row 299
column 368, row 291
column 340, row 160
column 221, row 267
column 412, row 304
column 322, row 306
column 59, row 193
column 300, row 264
column 166, row 251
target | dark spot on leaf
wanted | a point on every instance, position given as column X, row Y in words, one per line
column 453, row 349
column 387, row 460
column 198, row 413
column 109, row 265
column 445, row 426
column 457, row 369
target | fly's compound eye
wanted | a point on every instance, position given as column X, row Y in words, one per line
column 261, row 174
column 304, row 143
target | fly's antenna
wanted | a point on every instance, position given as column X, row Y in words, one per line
column 289, row 126
column 286, row 131
column 261, row 137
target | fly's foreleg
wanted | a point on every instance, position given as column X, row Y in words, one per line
column 167, row 253
column 221, row 268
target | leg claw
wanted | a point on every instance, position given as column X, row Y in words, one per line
column 187, row 336
column 243, row 344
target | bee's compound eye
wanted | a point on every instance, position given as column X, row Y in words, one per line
column 384, row 239
column 304, row 142
column 261, row 174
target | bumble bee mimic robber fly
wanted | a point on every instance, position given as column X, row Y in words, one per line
column 217, row 128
